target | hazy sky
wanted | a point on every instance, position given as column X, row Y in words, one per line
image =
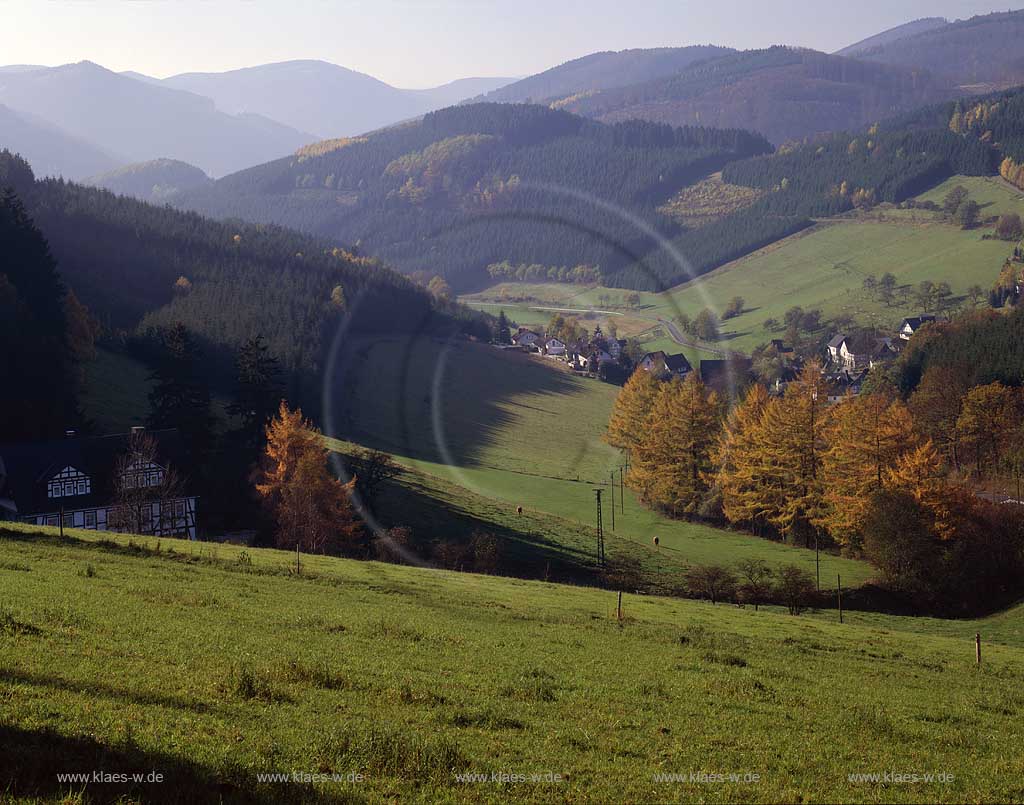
column 419, row 43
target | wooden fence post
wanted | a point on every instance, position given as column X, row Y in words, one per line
column 839, row 589
column 618, row 611
column 977, row 648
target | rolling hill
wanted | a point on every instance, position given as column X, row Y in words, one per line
column 893, row 35
column 476, row 184
column 323, row 98
column 783, row 93
column 139, row 121
column 52, row 151
column 600, row 71
column 410, row 677
column 985, row 52
column 138, row 266
column 156, row 181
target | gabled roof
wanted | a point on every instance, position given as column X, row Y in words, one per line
column 916, row 321
column 677, row 363
column 29, row 466
column 837, row 340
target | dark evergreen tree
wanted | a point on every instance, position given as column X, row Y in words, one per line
column 504, row 335
column 258, row 392
column 37, row 369
column 181, row 397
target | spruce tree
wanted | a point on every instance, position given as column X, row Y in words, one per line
column 180, row 397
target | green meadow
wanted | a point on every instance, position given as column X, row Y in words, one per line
column 495, row 430
column 215, row 666
column 824, row 267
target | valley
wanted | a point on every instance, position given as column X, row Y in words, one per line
column 574, row 425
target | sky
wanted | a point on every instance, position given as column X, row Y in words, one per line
column 422, row 43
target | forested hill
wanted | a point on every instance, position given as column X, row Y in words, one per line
column 783, row 93
column 982, row 50
column 599, row 71
column 137, row 266
column 472, row 185
column 887, row 162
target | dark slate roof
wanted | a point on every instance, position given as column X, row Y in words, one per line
column 28, row 467
column 837, row 340
column 917, row 321
column 677, row 363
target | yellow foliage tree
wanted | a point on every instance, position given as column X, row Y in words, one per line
column 788, row 447
column 738, row 461
column 672, row 463
column 988, row 414
column 310, row 505
column 867, row 435
column 631, row 409
column 921, row 473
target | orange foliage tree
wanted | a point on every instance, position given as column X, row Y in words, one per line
column 311, row 506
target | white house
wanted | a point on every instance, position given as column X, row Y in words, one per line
column 554, row 347
column 75, row 481
column 526, row 338
column 663, row 365
column 912, row 324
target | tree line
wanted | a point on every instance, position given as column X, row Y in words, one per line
column 872, row 476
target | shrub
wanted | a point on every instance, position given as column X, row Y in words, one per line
column 714, row 582
column 1009, row 227
column 795, row 588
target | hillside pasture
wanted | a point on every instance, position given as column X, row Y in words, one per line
column 213, row 665
column 486, row 426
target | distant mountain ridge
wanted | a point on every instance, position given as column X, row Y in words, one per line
column 903, row 31
column 52, row 151
column 323, row 98
column 783, row 93
column 601, row 71
column 157, row 181
column 139, row 121
column 984, row 50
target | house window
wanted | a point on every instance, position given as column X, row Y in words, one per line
column 83, row 487
column 179, row 508
column 69, row 520
column 51, row 520
column 90, row 519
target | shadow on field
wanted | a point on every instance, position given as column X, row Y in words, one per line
column 32, row 759
column 16, row 677
column 525, row 553
column 430, row 399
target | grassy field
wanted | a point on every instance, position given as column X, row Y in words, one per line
column 506, row 427
column 214, row 665
column 116, row 391
column 824, row 267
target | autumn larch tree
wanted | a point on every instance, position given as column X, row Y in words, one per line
column 311, row 506
column 989, row 413
column 868, row 434
column 672, row 464
column 788, row 448
column 738, row 462
column 936, row 405
column 631, row 409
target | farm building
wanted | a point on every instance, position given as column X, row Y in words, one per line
column 104, row 483
column 664, row 366
column 912, row 324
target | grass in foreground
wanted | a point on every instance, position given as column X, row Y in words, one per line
column 215, row 665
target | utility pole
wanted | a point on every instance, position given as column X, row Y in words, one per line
column 839, row 592
column 622, row 493
column 817, row 562
column 600, row 530
column 612, row 501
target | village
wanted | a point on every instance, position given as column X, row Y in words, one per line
column 847, row 358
